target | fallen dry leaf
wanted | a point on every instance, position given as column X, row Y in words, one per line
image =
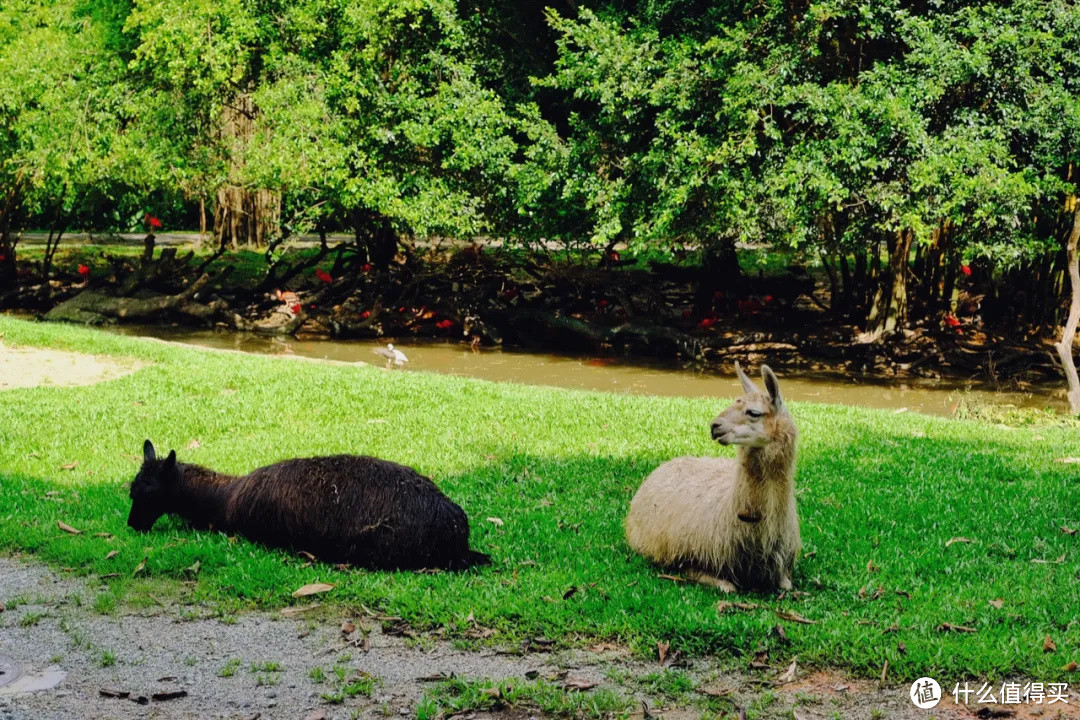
column 1071, row 667
column 1048, row 645
column 170, row 695
column 580, row 684
column 958, row 540
column 306, row 554
column 497, row 522
column 140, row 567
column 70, row 465
column 662, row 650
column 1068, row 530
column 794, row 617
column 788, row 676
column 1068, row 460
column 672, row 578
column 949, row 627
column 724, row 605
column 348, row 627
column 67, row 528
column 603, row 647
column 871, row 567
column 1059, row 561
column 996, row 603
column 312, row 589
column 112, row 554
column 884, row 671
column 193, row 445
column 492, row 692
column 193, row 568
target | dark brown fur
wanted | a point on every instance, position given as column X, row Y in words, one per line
column 354, row 509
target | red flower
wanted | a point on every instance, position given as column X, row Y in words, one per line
column 365, row 315
column 951, row 321
column 966, row 269
column 401, row 309
column 324, row 276
column 152, row 221
column 768, row 299
column 84, row 270
column 367, row 267
column 444, row 324
column 295, row 309
column 614, row 256
column 707, row 323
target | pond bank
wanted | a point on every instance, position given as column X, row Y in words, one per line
column 618, row 375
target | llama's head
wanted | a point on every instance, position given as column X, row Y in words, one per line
column 152, row 488
column 754, row 419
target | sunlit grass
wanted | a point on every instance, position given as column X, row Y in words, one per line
column 880, row 497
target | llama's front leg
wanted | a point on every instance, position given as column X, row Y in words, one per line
column 787, row 570
column 710, row 580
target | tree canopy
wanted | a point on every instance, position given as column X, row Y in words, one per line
column 895, row 141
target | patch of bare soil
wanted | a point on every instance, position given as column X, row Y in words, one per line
column 22, row 367
column 177, row 662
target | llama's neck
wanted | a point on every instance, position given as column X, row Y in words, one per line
column 202, row 497
column 772, row 465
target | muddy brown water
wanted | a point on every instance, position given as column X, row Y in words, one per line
column 613, row 374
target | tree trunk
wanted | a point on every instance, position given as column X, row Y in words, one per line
column 719, row 272
column 889, row 311
column 1068, row 335
column 243, row 216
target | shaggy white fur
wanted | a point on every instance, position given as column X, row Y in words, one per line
column 727, row 521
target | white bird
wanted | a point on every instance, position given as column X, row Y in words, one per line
column 393, row 355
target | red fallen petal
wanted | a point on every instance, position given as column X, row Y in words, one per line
column 295, row 309
column 365, row 314
column 367, row 267
column 965, row 269
column 444, row 324
column 84, row 270
column 324, row 276
column 951, row 321
column 768, row 299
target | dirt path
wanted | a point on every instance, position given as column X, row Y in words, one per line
column 266, row 665
column 29, row 367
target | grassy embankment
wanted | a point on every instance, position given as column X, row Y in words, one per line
column 880, row 495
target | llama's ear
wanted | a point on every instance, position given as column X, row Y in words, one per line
column 747, row 384
column 148, row 454
column 772, row 385
column 170, row 462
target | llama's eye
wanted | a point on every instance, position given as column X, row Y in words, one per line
column 753, row 413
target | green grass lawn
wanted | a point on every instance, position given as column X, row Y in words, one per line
column 880, row 497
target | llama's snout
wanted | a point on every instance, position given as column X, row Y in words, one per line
column 719, row 430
